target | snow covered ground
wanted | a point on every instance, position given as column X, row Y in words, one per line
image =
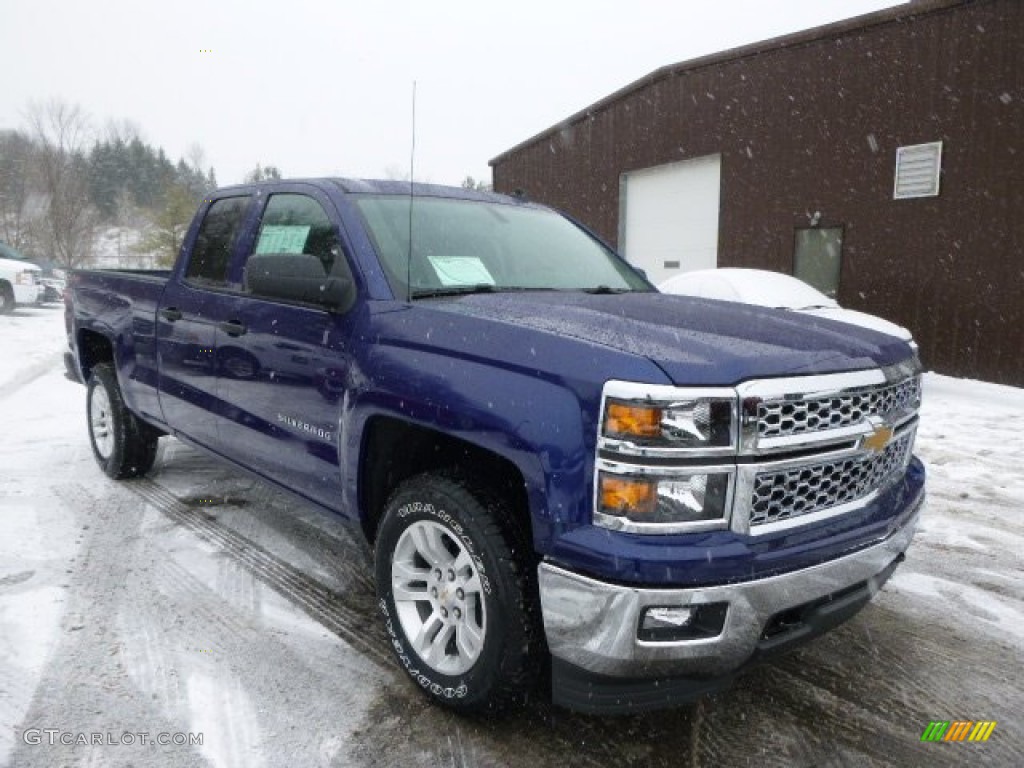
column 200, row 601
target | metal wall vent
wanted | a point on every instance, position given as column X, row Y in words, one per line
column 917, row 170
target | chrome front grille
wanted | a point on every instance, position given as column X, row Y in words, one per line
column 785, row 417
column 804, row 490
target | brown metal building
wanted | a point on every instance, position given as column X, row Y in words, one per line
column 803, row 132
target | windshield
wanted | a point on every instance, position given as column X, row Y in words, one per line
column 470, row 245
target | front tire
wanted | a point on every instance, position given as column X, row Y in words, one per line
column 123, row 445
column 455, row 587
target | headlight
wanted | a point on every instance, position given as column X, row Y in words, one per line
column 665, row 457
column 696, row 424
column 683, row 498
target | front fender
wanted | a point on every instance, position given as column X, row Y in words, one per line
column 536, row 424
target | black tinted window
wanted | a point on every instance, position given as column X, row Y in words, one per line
column 299, row 224
column 212, row 250
column 296, row 225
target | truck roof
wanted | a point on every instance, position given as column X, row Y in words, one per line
column 392, row 187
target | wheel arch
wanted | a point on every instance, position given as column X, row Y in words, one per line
column 394, row 450
column 93, row 348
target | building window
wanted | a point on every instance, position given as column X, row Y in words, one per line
column 817, row 258
column 917, row 171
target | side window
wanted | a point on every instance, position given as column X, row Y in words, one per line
column 212, row 250
column 296, row 225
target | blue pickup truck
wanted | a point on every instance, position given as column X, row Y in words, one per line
column 568, row 478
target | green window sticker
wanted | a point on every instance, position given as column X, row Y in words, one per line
column 460, row 270
column 282, row 238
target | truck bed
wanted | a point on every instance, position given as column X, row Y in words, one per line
column 122, row 304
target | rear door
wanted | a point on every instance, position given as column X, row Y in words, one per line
column 190, row 310
column 284, row 366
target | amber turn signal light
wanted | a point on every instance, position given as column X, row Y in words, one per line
column 628, row 496
column 632, row 420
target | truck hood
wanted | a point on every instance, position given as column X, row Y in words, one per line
column 694, row 341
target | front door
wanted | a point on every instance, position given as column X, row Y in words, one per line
column 283, row 366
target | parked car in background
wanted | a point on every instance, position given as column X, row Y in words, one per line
column 54, row 280
column 53, row 289
column 19, row 280
column 764, row 288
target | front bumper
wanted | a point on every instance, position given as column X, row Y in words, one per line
column 601, row 665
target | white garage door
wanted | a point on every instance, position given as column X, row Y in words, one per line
column 669, row 217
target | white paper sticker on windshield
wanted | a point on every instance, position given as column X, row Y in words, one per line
column 460, row 270
column 282, row 238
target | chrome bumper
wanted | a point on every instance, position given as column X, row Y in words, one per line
column 593, row 625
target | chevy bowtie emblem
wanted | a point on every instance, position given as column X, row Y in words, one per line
column 878, row 440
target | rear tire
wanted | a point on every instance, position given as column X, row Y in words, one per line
column 7, row 302
column 457, row 591
column 124, row 446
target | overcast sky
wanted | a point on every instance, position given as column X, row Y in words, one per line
column 325, row 88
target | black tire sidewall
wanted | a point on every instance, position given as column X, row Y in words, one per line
column 425, row 499
column 103, row 377
column 8, row 303
column 135, row 443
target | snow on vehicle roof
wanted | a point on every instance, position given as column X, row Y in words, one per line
column 749, row 286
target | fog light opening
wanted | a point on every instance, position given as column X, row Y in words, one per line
column 671, row 623
column 667, row 618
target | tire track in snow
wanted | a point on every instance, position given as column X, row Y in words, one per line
column 194, row 641
column 351, row 616
column 586, row 739
column 85, row 687
column 857, row 698
column 330, row 550
column 26, row 376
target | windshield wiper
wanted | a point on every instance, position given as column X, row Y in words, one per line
column 453, row 290
column 465, row 290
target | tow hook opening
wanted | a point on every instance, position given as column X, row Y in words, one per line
column 796, row 619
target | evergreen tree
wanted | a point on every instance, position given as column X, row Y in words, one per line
column 170, row 223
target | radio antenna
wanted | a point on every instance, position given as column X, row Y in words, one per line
column 412, row 176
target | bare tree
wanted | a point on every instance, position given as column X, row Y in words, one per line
column 196, row 156
column 61, row 132
column 123, row 131
column 470, row 183
column 259, row 173
column 395, row 172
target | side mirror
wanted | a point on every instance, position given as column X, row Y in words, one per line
column 298, row 277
